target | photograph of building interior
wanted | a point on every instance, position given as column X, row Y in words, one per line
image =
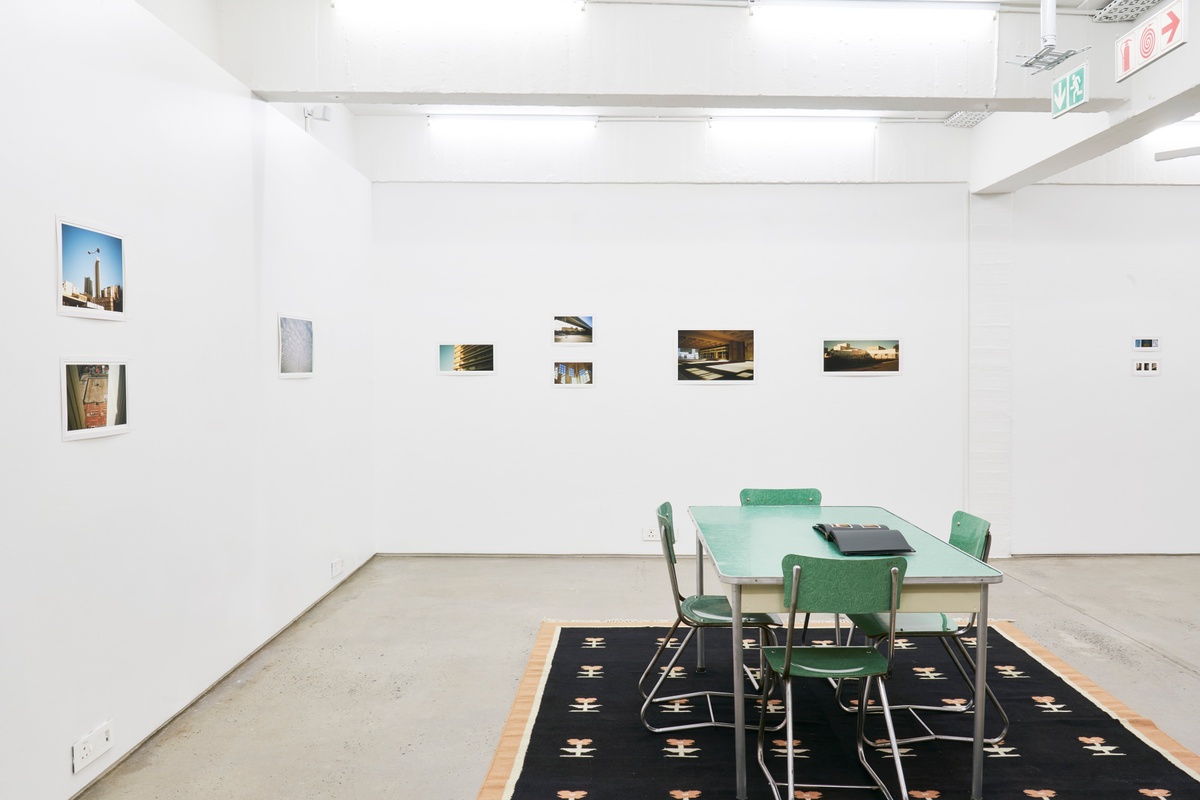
column 329, row 587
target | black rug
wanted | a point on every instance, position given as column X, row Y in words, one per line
column 574, row 733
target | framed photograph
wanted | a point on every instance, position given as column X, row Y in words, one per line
column 1142, row 345
column 716, row 355
column 572, row 330
column 1146, row 368
column 861, row 356
column 91, row 272
column 466, row 359
column 295, row 347
column 573, row 373
column 95, row 398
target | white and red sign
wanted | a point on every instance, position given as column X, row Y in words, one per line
column 1151, row 40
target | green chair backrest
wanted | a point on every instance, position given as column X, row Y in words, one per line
column 843, row 585
column 781, row 497
column 666, row 531
column 969, row 533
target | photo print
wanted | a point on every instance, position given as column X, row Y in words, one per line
column 863, row 356
column 716, row 355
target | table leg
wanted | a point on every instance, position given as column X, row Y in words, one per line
column 739, row 692
column 699, row 590
column 981, row 632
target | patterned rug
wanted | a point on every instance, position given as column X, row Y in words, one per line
column 574, row 732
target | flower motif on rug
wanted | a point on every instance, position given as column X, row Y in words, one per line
column 1010, row 671
column 681, row 748
column 578, row 749
column 1155, row 792
column 780, row 748
column 685, row 794
column 932, row 794
column 567, row 794
column 1098, row 747
column 1041, row 793
column 584, row 705
column 1048, row 705
column 593, row 643
column 590, row 671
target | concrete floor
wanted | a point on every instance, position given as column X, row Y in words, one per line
column 397, row 685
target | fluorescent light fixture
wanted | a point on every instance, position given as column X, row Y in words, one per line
column 581, row 119
column 648, row 118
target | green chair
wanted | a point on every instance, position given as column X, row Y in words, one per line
column 786, row 497
column 781, row 497
column 836, row 586
column 695, row 612
column 972, row 535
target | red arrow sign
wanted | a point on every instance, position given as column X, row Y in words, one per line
column 1172, row 26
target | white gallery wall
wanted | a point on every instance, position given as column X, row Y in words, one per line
column 512, row 463
column 146, row 565
column 1103, row 460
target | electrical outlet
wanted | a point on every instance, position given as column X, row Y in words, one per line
column 650, row 535
column 336, row 567
column 91, row 747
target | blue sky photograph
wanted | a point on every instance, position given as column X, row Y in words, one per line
column 80, row 249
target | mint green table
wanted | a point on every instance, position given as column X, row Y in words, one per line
column 747, row 543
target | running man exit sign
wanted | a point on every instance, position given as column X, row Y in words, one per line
column 1070, row 91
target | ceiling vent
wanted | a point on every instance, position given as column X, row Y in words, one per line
column 966, row 119
column 1123, row 10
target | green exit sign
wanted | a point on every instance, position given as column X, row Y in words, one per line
column 1070, row 91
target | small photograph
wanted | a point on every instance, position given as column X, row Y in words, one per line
column 1145, row 369
column 573, row 373
column 91, row 272
column 466, row 359
column 716, row 355
column 867, row 356
column 572, row 330
column 94, row 399
column 295, row 347
column 1145, row 344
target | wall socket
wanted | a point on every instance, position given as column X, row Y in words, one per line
column 650, row 535
column 91, row 747
column 336, row 567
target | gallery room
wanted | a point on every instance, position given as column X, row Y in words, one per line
column 290, row 487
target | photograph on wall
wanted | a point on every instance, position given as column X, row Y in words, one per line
column 862, row 356
column 466, row 359
column 573, row 373
column 91, row 272
column 94, row 398
column 572, row 330
column 716, row 355
column 1145, row 344
column 295, row 347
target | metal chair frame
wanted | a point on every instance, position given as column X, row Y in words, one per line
column 696, row 612
column 866, row 585
column 979, row 547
